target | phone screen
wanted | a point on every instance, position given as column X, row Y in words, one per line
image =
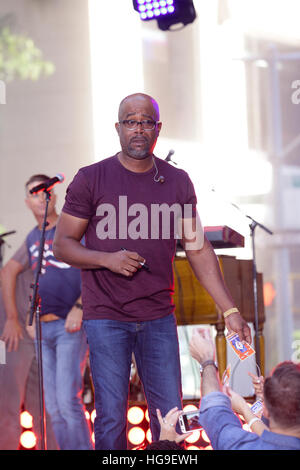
column 191, row 420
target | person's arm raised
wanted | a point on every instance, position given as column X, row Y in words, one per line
column 67, row 247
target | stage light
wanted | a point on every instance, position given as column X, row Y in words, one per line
column 147, row 416
column 204, row 436
column 135, row 415
column 87, row 415
column 193, row 437
column 149, row 436
column 190, row 407
column 136, row 435
column 26, row 420
column 28, row 440
column 93, row 416
column 269, row 293
column 169, row 14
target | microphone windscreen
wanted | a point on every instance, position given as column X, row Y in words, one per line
column 61, row 177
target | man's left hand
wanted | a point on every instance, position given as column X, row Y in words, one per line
column 73, row 320
column 236, row 323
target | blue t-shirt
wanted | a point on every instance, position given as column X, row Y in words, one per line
column 225, row 432
column 59, row 283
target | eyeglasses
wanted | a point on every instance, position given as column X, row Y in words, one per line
column 132, row 124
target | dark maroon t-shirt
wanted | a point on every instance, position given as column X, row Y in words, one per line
column 122, row 208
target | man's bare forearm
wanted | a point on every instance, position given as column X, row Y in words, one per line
column 8, row 287
column 205, row 265
column 74, row 253
column 210, row 381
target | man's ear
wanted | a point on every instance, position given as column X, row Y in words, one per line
column 117, row 126
column 27, row 202
column 159, row 125
column 265, row 411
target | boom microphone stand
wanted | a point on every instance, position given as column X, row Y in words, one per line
column 35, row 309
column 253, row 226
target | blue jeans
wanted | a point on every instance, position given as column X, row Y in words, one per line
column 155, row 346
column 64, row 356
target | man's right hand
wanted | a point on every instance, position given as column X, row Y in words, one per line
column 124, row 262
column 12, row 333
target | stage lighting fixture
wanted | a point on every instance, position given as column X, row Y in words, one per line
column 149, row 435
column 169, row 14
column 28, row 440
column 193, row 437
column 136, row 435
column 93, row 416
column 135, row 415
column 26, row 420
column 190, row 407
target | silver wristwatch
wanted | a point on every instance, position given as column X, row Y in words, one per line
column 210, row 362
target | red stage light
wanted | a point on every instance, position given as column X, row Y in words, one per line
column 193, row 437
column 269, row 293
column 149, row 436
column 93, row 416
column 28, row 440
column 135, row 415
column 26, row 420
column 136, row 435
column 190, row 407
column 204, row 436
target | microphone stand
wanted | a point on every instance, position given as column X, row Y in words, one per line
column 253, row 226
column 35, row 309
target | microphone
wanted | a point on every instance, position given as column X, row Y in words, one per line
column 157, row 179
column 168, row 157
column 48, row 184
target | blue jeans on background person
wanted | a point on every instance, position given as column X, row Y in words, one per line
column 156, row 349
column 63, row 359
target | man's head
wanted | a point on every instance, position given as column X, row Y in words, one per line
column 138, row 127
column 282, row 395
column 37, row 202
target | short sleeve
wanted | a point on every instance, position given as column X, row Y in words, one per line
column 190, row 204
column 21, row 256
column 78, row 200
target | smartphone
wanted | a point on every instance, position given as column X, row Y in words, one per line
column 189, row 421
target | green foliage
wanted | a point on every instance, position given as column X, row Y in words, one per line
column 20, row 58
